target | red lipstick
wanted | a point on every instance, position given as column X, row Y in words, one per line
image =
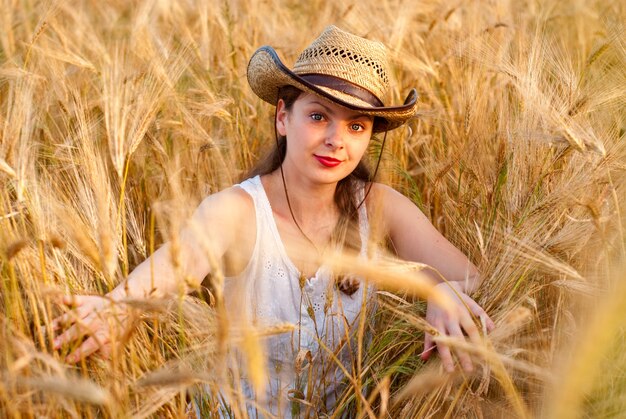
column 327, row 161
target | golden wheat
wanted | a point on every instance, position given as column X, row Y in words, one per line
column 117, row 118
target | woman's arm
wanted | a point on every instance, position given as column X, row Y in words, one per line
column 211, row 231
column 414, row 238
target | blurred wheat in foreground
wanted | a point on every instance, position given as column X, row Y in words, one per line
column 117, row 117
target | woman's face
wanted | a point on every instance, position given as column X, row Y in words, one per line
column 325, row 141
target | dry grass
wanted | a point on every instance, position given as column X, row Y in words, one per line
column 117, row 117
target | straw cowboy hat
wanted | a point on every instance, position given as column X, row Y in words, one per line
column 343, row 68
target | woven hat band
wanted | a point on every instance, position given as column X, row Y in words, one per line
column 343, row 86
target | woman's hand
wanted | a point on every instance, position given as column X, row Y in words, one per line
column 454, row 321
column 100, row 319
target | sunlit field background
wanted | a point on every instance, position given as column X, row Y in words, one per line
column 118, row 117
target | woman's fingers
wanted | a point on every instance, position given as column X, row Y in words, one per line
column 456, row 321
column 93, row 318
column 446, row 357
column 81, row 307
column 429, row 346
column 105, row 351
column 466, row 321
column 68, row 318
column 72, row 300
column 453, row 329
column 69, row 335
column 89, row 346
column 479, row 312
column 58, row 322
column 87, row 322
column 464, row 358
column 78, row 329
column 486, row 320
column 444, row 351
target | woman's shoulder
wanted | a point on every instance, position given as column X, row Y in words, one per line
column 391, row 206
column 379, row 192
column 230, row 205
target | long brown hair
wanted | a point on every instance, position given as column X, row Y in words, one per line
column 346, row 233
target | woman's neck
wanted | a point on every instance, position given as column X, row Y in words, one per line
column 310, row 202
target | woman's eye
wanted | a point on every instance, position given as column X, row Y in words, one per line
column 357, row 127
column 317, row 116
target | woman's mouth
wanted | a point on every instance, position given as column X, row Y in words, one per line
column 328, row 161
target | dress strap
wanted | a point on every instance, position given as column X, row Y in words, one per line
column 265, row 217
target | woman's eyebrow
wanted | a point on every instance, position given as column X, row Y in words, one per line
column 330, row 111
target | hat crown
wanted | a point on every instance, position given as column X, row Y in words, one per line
column 340, row 54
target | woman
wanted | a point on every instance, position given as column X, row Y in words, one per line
column 312, row 194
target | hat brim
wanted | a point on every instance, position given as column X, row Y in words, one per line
column 267, row 74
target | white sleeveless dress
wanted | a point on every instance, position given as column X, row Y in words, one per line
column 272, row 294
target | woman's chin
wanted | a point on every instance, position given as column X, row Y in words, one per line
column 334, row 175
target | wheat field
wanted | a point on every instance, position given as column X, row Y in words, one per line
column 118, row 117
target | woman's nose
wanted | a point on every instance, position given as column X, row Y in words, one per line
column 334, row 137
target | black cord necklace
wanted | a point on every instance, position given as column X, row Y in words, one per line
column 282, row 175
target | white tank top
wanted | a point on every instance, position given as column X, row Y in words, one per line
column 272, row 294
